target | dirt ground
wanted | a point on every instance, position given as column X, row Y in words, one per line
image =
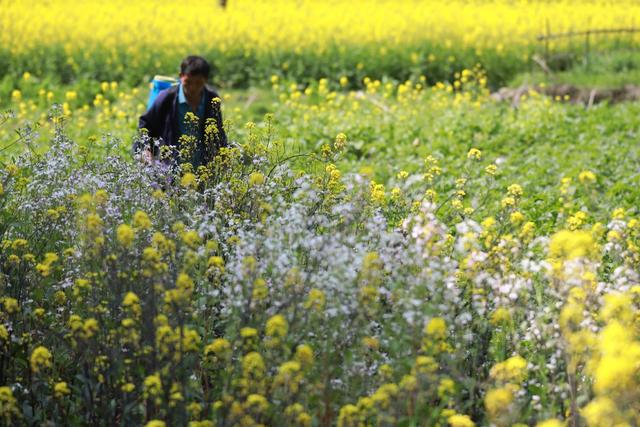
column 578, row 95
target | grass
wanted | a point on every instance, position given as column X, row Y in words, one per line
column 600, row 70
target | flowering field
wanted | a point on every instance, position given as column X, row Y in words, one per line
column 251, row 40
column 382, row 244
column 401, row 255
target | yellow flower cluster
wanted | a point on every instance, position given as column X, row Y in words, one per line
column 614, row 363
column 514, row 369
column 568, row 245
column 10, row 305
column 40, row 359
column 125, row 235
column 44, row 267
column 500, row 401
column 61, row 389
column 8, row 406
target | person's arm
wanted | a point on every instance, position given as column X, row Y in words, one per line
column 150, row 121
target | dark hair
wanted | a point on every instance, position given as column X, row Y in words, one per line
column 195, row 66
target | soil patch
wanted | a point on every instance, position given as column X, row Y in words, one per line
column 570, row 93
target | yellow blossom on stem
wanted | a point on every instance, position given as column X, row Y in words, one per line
column 61, row 389
column 132, row 303
column 260, row 290
column 152, row 386
column 315, row 300
column 257, row 403
column 602, row 411
column 500, row 316
column 8, row 405
column 304, row 355
column 125, row 235
column 191, row 239
column 220, row 348
column 277, row 326
column 587, row 177
column 40, row 359
column 141, row 220
column 515, row 190
column 189, row 180
column 253, row 365
column 516, row 217
column 436, row 328
column 512, row 370
column 568, row 245
column 348, row 416
column 377, row 193
column 550, row 423
column 497, row 401
column 256, row 179
column 10, row 305
column 459, row 420
column 474, row 154
column 128, row 387
column 216, row 262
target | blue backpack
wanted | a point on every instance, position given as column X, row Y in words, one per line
column 158, row 84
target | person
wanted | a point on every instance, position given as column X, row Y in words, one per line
column 167, row 120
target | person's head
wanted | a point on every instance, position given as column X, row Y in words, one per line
column 194, row 74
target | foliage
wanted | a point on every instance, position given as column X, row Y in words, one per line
column 248, row 292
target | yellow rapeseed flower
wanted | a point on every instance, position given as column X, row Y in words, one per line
column 253, row 365
column 220, row 347
column 131, row 303
column 189, row 180
column 191, row 239
column 304, row 355
column 10, row 305
column 152, row 385
column 40, row 359
column 550, row 423
column 512, row 370
column 500, row 316
column 515, row 190
column 436, row 328
column 567, row 245
column 141, row 220
column 602, row 411
column 459, row 420
column 61, row 389
column 256, row 178
column 587, row 177
column 315, row 300
column 125, row 235
column 8, row 405
column 348, row 416
column 474, row 154
column 497, row 401
column 277, row 326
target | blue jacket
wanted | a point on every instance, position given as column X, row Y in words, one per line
column 161, row 122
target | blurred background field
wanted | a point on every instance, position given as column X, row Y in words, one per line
column 66, row 41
